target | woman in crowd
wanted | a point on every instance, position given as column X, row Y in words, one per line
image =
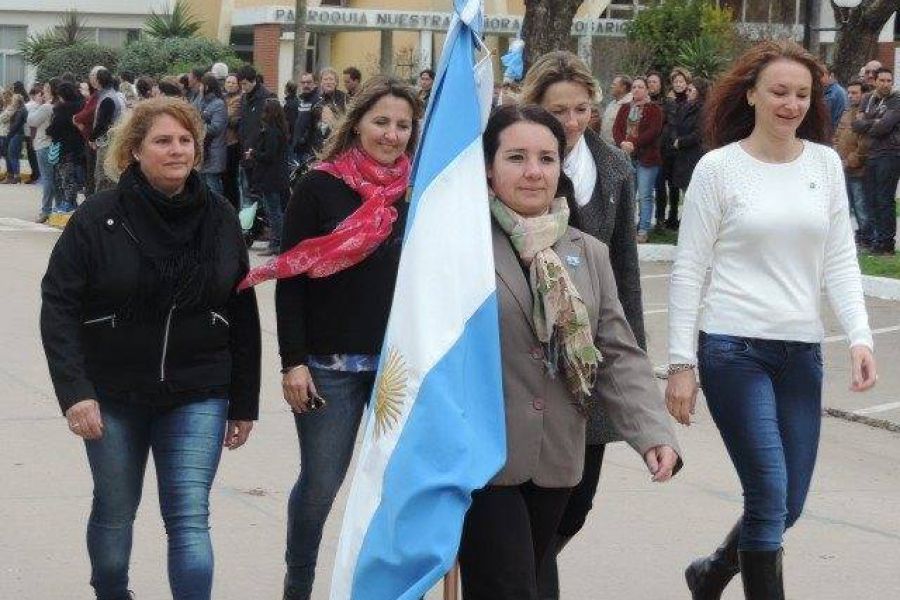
column 144, row 87
column 215, row 120
column 551, row 278
column 637, row 131
column 674, row 106
column 67, row 102
column 110, row 107
column 230, row 181
column 270, row 170
column 84, row 120
column 5, row 116
column 149, row 346
column 602, row 186
column 685, row 136
column 39, row 119
column 767, row 211
column 15, row 138
column 331, row 106
column 333, row 299
column 170, row 86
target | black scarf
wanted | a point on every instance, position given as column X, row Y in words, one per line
column 178, row 243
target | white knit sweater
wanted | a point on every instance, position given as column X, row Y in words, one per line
column 773, row 234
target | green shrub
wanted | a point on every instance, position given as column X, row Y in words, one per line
column 79, row 59
column 175, row 55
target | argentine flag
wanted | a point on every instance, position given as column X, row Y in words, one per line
column 436, row 428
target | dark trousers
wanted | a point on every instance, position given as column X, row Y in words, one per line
column 230, row 178
column 32, row 159
column 577, row 508
column 507, row 533
column 765, row 397
column 882, row 173
column 666, row 193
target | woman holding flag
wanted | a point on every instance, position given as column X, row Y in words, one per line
column 565, row 344
column 343, row 229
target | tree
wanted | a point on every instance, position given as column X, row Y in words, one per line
column 547, row 26
column 175, row 22
column 78, row 59
column 69, row 31
column 857, row 36
column 299, row 39
column 695, row 34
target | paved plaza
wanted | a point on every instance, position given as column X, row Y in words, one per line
column 634, row 546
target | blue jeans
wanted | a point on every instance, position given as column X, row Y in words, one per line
column 327, row 437
column 856, row 194
column 765, row 397
column 186, row 442
column 646, row 183
column 882, row 173
column 47, row 180
column 275, row 217
column 214, row 183
column 14, row 152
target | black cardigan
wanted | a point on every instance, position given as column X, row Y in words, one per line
column 345, row 313
column 91, row 343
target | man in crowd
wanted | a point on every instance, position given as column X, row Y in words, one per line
column 426, row 80
column 835, row 96
column 193, row 94
column 869, row 71
column 620, row 90
column 290, row 110
column 252, row 103
column 879, row 120
column 852, row 149
column 352, row 80
column 302, row 141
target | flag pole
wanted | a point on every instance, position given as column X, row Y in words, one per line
column 451, row 583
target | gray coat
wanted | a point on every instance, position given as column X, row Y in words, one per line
column 609, row 217
column 215, row 117
column 545, row 429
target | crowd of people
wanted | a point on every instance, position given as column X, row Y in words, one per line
column 150, row 323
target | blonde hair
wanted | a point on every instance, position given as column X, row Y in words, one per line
column 374, row 89
column 555, row 67
column 127, row 137
column 680, row 71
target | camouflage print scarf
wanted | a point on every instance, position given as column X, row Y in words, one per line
column 561, row 320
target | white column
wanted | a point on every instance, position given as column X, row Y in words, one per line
column 426, row 50
column 386, row 62
column 323, row 51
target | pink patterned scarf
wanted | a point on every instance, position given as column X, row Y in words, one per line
column 357, row 236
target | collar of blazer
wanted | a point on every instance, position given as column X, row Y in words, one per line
column 509, row 270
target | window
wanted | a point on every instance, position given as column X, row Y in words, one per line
column 116, row 38
column 12, row 65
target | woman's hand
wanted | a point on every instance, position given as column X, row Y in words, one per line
column 628, row 147
column 661, row 461
column 862, row 368
column 85, row 420
column 299, row 388
column 681, row 395
column 237, row 433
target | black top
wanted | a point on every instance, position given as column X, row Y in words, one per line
column 345, row 313
column 139, row 301
column 252, row 104
column 61, row 128
column 291, row 105
column 17, row 122
column 106, row 112
column 270, row 167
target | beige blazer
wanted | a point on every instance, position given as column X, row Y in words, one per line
column 545, row 430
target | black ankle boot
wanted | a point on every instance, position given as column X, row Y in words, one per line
column 707, row 577
column 761, row 574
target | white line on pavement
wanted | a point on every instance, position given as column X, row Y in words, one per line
column 13, row 224
column 840, row 338
column 659, row 276
column 877, row 408
column 656, row 312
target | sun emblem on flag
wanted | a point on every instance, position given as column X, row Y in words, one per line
column 390, row 392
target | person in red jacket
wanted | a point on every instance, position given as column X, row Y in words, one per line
column 637, row 131
column 84, row 121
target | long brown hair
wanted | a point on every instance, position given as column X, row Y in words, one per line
column 730, row 118
column 373, row 90
column 555, row 67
